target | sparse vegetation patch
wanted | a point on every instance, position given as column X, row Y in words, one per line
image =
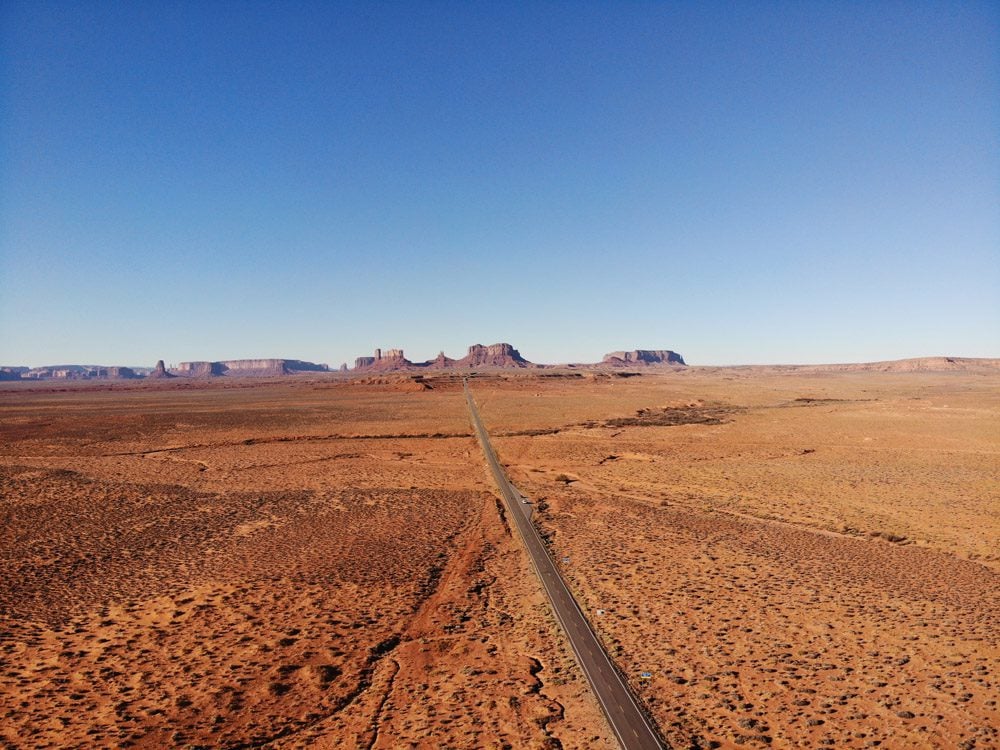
column 671, row 416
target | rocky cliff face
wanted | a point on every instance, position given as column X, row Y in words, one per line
column 256, row 368
column 643, row 357
column 268, row 367
column 160, row 371
column 494, row 355
column 115, row 373
column 240, row 366
column 198, row 369
column 390, row 359
column 441, row 362
column 390, row 356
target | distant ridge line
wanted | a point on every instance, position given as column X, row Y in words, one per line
column 493, row 357
column 912, row 364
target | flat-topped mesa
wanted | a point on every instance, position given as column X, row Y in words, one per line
column 643, row 357
column 494, row 355
column 247, row 368
column 115, row 373
column 389, row 355
column 199, row 369
column 269, row 367
column 390, row 359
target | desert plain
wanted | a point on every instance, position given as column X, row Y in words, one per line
column 772, row 558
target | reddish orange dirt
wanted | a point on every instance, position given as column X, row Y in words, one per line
column 797, row 560
column 288, row 564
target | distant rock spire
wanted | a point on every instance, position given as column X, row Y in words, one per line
column 160, row 371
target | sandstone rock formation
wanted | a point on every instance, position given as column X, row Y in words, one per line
column 116, row 373
column 198, row 369
column 390, row 359
column 244, row 368
column 160, row 371
column 494, row 355
column 643, row 357
column 479, row 356
column 73, row 372
column 441, row 362
column 269, row 367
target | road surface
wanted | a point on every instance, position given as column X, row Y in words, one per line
column 630, row 725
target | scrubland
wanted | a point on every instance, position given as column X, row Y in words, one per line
column 796, row 560
column 809, row 561
column 261, row 566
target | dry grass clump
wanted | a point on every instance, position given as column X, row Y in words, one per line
column 671, row 416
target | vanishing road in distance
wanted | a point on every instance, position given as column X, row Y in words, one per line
column 627, row 720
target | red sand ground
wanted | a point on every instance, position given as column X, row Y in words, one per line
column 308, row 563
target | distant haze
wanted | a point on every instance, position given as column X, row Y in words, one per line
column 779, row 183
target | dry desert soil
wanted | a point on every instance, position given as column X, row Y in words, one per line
column 794, row 560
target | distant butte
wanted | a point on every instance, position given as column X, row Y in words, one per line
column 494, row 355
column 500, row 356
column 643, row 357
column 479, row 356
column 247, row 368
column 391, row 359
column 160, row 371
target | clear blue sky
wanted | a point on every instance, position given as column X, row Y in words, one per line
column 745, row 182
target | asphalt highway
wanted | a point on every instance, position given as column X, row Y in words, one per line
column 630, row 725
